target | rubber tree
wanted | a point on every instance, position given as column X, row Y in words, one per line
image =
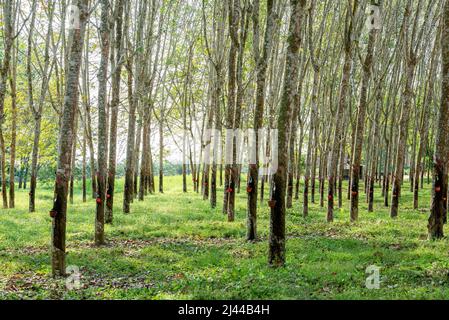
column 276, row 251
column 438, row 215
column 262, row 66
column 116, row 80
column 102, row 124
column 8, row 36
column 66, row 135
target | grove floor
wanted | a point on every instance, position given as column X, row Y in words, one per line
column 173, row 246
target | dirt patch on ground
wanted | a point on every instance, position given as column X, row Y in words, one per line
column 28, row 285
column 126, row 243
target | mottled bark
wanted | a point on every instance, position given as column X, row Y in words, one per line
column 262, row 65
column 73, row 160
column 298, row 162
column 144, row 159
column 12, row 150
column 240, row 91
column 230, row 169
column 83, row 170
column 441, row 158
column 360, row 128
column 128, row 193
column 161, row 149
column 116, row 77
column 276, row 256
column 184, row 118
column 425, row 123
column 311, row 142
column 341, row 167
column 136, row 156
column 207, row 139
column 218, row 128
column 375, row 143
column 411, row 58
column 37, row 109
column 402, row 140
column 88, row 122
column 66, row 136
column 37, row 115
column 8, row 27
column 102, row 124
column 293, row 138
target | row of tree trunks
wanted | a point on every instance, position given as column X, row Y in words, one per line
column 413, row 42
column 147, row 94
column 277, row 66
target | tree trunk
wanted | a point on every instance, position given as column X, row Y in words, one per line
column 402, row 140
column 298, row 163
column 311, row 142
column 262, row 65
column 116, row 77
column 129, row 191
column 230, row 172
column 293, row 138
column 12, row 151
column 88, row 123
column 66, row 136
column 276, row 255
column 207, row 157
column 102, row 125
column 84, row 178
column 360, row 129
column 37, row 111
column 136, row 156
column 73, row 160
column 439, row 195
column 184, row 119
column 375, row 142
column 425, row 123
column 25, row 175
column 8, row 27
column 161, row 151
column 144, row 158
column 34, row 163
column 21, row 171
column 217, row 135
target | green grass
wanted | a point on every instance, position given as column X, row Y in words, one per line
column 173, row 246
